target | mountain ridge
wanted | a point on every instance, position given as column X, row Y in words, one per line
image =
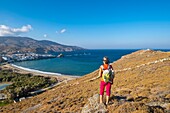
column 13, row 44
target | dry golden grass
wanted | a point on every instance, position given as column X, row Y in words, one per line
column 140, row 85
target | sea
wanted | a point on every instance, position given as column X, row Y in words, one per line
column 76, row 63
column 2, row 86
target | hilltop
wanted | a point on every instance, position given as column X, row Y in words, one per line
column 11, row 44
column 141, row 85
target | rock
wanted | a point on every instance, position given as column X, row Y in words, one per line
column 32, row 108
column 168, row 107
column 130, row 98
column 139, row 98
column 167, row 96
column 136, row 107
column 60, row 55
column 93, row 106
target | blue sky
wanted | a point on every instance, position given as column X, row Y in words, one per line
column 92, row 24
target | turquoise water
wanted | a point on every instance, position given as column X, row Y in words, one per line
column 3, row 86
column 75, row 63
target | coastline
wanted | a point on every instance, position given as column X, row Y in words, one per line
column 23, row 70
column 4, row 84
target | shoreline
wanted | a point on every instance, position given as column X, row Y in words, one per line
column 33, row 70
column 23, row 70
column 1, row 83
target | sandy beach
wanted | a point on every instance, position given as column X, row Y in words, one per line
column 23, row 70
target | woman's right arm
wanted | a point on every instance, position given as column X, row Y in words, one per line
column 100, row 72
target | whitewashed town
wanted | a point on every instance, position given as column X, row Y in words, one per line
column 24, row 57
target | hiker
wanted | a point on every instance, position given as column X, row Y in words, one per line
column 106, row 74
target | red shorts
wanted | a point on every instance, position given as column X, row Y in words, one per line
column 108, row 88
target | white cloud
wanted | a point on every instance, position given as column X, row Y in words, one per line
column 45, row 35
column 63, row 30
column 6, row 30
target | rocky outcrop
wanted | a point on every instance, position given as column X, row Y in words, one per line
column 93, row 106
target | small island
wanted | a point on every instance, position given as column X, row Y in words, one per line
column 60, row 55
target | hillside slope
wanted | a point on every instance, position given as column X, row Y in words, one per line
column 9, row 44
column 141, row 85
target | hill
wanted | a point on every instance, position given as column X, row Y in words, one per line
column 9, row 44
column 141, row 85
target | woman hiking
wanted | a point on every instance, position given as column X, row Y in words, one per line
column 106, row 74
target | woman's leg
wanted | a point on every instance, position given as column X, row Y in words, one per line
column 108, row 91
column 101, row 99
column 102, row 85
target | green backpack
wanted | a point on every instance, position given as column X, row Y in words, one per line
column 107, row 74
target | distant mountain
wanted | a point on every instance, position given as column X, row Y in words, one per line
column 9, row 45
